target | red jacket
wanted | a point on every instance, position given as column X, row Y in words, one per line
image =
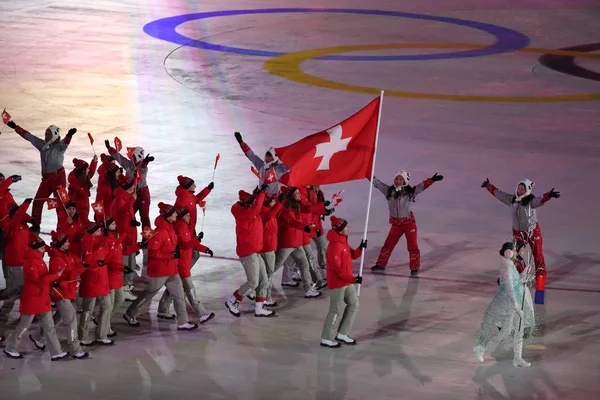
column 248, row 227
column 73, row 230
column 290, row 228
column 121, row 210
column 161, row 247
column 6, row 200
column 189, row 200
column 35, row 296
column 79, row 192
column 269, row 219
column 105, row 194
column 94, row 281
column 114, row 259
column 188, row 242
column 17, row 237
column 339, row 261
column 72, row 268
column 306, row 214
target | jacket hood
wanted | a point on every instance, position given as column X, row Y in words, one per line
column 33, row 254
column 181, row 192
column 160, row 222
column 334, row 236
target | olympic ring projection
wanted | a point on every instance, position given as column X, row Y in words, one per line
column 288, row 67
column 507, row 40
column 566, row 64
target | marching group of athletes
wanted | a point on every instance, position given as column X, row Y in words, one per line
column 93, row 260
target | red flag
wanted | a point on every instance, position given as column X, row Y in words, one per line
column 130, row 151
column 98, row 208
column 147, row 232
column 217, row 160
column 339, row 154
column 64, row 196
column 338, row 194
column 118, row 144
column 270, row 176
column 5, row 116
column 91, row 138
column 337, row 202
column 52, row 203
column 255, row 172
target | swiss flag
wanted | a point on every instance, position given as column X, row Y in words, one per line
column 130, row 151
column 270, row 176
column 5, row 116
column 147, row 232
column 118, row 144
column 255, row 172
column 62, row 193
column 52, row 203
column 98, row 208
column 339, row 154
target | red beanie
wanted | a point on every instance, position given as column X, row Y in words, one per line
column 93, row 227
column 181, row 212
column 166, row 210
column 108, row 221
column 244, row 195
column 80, row 164
column 185, row 182
column 111, row 169
column 338, row 224
column 105, row 158
column 70, row 204
column 58, row 239
column 37, row 243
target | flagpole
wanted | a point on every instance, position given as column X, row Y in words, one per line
column 362, row 256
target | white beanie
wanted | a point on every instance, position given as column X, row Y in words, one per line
column 55, row 132
column 272, row 152
column 404, row 175
column 528, row 188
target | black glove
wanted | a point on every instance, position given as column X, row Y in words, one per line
column 29, row 200
column 128, row 270
column 55, row 284
column 71, row 132
column 256, row 191
column 143, row 244
column 209, row 251
column 11, row 124
column 15, row 178
column 34, row 228
column 363, row 244
column 485, row 183
column 436, row 177
column 358, row 280
column 554, row 194
column 86, row 266
column 307, row 228
column 210, row 186
column 107, row 144
column 148, row 159
column 327, row 203
column 177, row 252
column 238, row 137
column 319, row 233
column 329, row 211
column 135, row 223
column 264, row 187
column 100, row 263
column 200, row 236
column 281, row 197
column 121, row 170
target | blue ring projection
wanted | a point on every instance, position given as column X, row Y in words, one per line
column 507, row 40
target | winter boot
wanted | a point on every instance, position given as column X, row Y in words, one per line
column 60, row 356
column 312, row 293
column 332, row 344
column 80, row 355
column 40, row 346
column 344, row 339
column 206, row 317
column 232, row 305
column 518, row 350
column 187, row 327
column 261, row 311
column 377, row 268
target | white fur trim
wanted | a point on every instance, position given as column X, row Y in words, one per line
column 55, row 132
column 405, row 175
column 274, row 154
column 528, row 188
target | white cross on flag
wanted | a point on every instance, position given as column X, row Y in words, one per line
column 147, row 232
column 98, row 208
column 339, row 154
column 5, row 116
column 52, row 203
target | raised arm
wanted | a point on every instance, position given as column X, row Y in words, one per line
column 382, row 187
column 64, row 144
column 34, row 140
column 254, row 159
column 540, row 201
column 123, row 161
column 497, row 193
column 93, row 166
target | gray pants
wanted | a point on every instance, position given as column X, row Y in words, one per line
column 195, row 258
column 117, row 298
column 164, row 305
column 49, row 333
column 343, row 306
column 65, row 312
column 256, row 273
column 299, row 257
column 129, row 261
column 321, row 243
column 315, row 271
column 269, row 260
column 14, row 285
column 103, row 318
column 175, row 287
column 289, row 267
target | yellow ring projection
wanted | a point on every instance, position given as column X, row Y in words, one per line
column 287, row 66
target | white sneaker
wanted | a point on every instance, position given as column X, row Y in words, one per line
column 59, row 356
column 166, row 315
column 232, row 305
column 345, row 339
column 290, row 284
column 321, row 284
column 519, row 362
column 330, row 343
column 37, row 343
column 105, row 342
column 13, row 354
column 206, row 317
column 187, row 327
column 261, row 311
column 127, row 294
column 80, row 355
column 312, row 293
column 132, row 321
column 296, row 277
column 86, row 342
column 479, row 352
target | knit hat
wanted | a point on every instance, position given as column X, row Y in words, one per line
column 185, row 182
column 166, row 210
column 12, row 209
column 108, row 221
column 37, row 243
column 403, row 174
column 507, row 250
column 93, row 227
column 105, row 158
column 58, row 239
column 338, row 224
column 290, row 192
column 125, row 182
column 244, row 195
column 181, row 212
column 111, row 169
column 80, row 164
column 70, row 204
column 528, row 188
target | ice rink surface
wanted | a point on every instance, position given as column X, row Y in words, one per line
column 90, row 65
